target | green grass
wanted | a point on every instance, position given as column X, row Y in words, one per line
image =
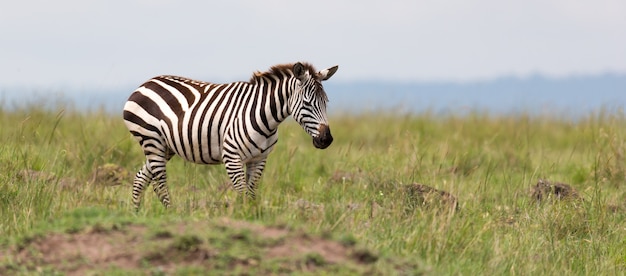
column 351, row 191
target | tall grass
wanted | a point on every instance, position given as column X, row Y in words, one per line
column 355, row 186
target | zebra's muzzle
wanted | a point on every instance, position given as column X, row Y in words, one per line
column 324, row 139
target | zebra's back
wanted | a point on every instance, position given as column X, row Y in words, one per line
column 185, row 115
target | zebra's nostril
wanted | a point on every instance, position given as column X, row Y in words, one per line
column 329, row 138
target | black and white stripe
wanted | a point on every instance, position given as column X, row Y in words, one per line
column 233, row 123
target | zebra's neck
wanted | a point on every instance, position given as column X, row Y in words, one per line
column 275, row 99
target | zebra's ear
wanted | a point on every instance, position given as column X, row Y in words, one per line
column 327, row 73
column 299, row 71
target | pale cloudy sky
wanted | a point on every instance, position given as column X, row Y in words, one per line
column 115, row 43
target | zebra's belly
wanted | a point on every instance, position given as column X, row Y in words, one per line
column 208, row 149
column 214, row 157
column 202, row 161
column 263, row 149
column 197, row 153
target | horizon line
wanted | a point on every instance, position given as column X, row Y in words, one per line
column 503, row 77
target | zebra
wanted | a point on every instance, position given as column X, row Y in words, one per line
column 234, row 124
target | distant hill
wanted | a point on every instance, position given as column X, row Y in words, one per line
column 569, row 96
column 572, row 95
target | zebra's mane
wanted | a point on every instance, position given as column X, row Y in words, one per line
column 286, row 70
column 281, row 71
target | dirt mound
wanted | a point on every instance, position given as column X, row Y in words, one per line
column 106, row 175
column 111, row 175
column 546, row 191
column 46, row 177
column 340, row 176
column 225, row 245
column 423, row 196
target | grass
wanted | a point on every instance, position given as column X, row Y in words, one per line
column 352, row 191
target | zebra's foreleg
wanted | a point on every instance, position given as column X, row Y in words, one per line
column 234, row 168
column 233, row 162
column 142, row 179
column 254, row 170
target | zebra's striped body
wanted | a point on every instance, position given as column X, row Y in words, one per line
column 234, row 123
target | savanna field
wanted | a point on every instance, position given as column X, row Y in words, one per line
column 354, row 208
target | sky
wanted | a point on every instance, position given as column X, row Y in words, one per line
column 114, row 43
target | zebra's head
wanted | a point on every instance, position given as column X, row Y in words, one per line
column 308, row 103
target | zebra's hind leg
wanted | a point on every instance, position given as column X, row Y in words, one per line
column 152, row 170
column 142, row 179
column 158, row 168
column 161, row 190
column 254, row 171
